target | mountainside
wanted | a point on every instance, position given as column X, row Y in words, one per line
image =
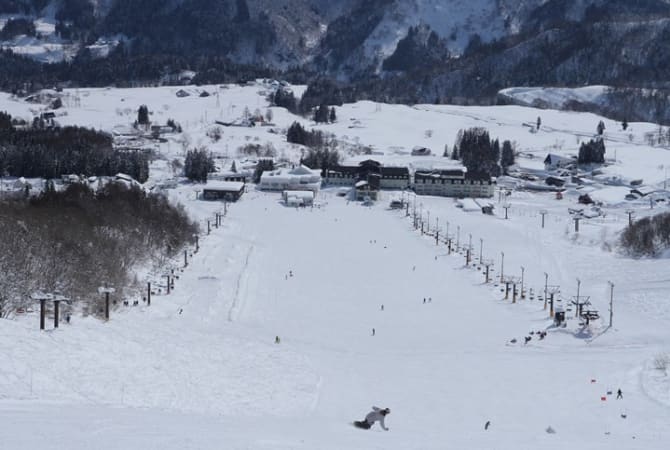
column 430, row 49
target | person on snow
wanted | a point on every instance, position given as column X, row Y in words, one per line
column 619, row 394
column 376, row 415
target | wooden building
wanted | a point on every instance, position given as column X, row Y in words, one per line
column 230, row 191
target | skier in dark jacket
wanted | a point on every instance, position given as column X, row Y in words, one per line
column 376, row 415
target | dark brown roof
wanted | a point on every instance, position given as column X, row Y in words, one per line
column 395, row 171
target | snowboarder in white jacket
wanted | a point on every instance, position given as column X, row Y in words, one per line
column 376, row 415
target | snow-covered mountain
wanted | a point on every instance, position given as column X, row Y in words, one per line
column 466, row 48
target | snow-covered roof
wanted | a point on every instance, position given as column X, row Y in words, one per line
column 224, row 186
column 300, row 194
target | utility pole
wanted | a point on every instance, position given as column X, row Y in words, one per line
column 546, row 281
column 522, row 294
column 468, row 252
column 543, row 212
column 502, row 265
column 577, row 219
column 56, row 310
column 458, row 237
column 43, row 301
column 579, row 283
column 149, row 293
column 630, row 213
column 611, row 301
column 488, row 263
column 106, row 290
column 197, row 243
column 185, row 258
column 506, row 206
column 414, row 211
column 481, row 247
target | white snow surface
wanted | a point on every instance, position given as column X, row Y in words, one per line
column 557, row 97
column 199, row 368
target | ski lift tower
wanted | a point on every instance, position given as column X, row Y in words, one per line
column 551, row 290
column 106, row 290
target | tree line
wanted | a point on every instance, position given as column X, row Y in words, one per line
column 78, row 239
column 42, row 151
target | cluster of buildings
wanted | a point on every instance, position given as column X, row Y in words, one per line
column 370, row 176
column 366, row 178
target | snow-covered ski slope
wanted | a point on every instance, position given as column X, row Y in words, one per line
column 199, row 369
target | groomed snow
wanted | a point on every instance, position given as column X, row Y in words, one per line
column 199, row 369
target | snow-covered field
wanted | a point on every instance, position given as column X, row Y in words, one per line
column 200, row 368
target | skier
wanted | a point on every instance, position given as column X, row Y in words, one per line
column 487, row 425
column 619, row 395
column 376, row 415
column 373, row 331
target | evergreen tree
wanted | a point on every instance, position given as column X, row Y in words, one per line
column 233, row 168
column 592, row 152
column 539, row 122
column 333, row 116
column 284, row 98
column 198, row 164
column 601, row 128
column 624, row 124
column 143, row 115
column 296, row 134
column 477, row 153
column 321, row 114
column 507, row 157
column 262, row 166
column 454, row 153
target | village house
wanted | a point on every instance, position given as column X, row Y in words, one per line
column 230, row 191
column 554, row 161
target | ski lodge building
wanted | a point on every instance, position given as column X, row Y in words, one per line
column 453, row 183
column 368, row 177
column 301, row 178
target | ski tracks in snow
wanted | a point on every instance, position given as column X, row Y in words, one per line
column 240, row 287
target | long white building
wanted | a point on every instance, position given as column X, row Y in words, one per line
column 301, row 178
column 453, row 183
